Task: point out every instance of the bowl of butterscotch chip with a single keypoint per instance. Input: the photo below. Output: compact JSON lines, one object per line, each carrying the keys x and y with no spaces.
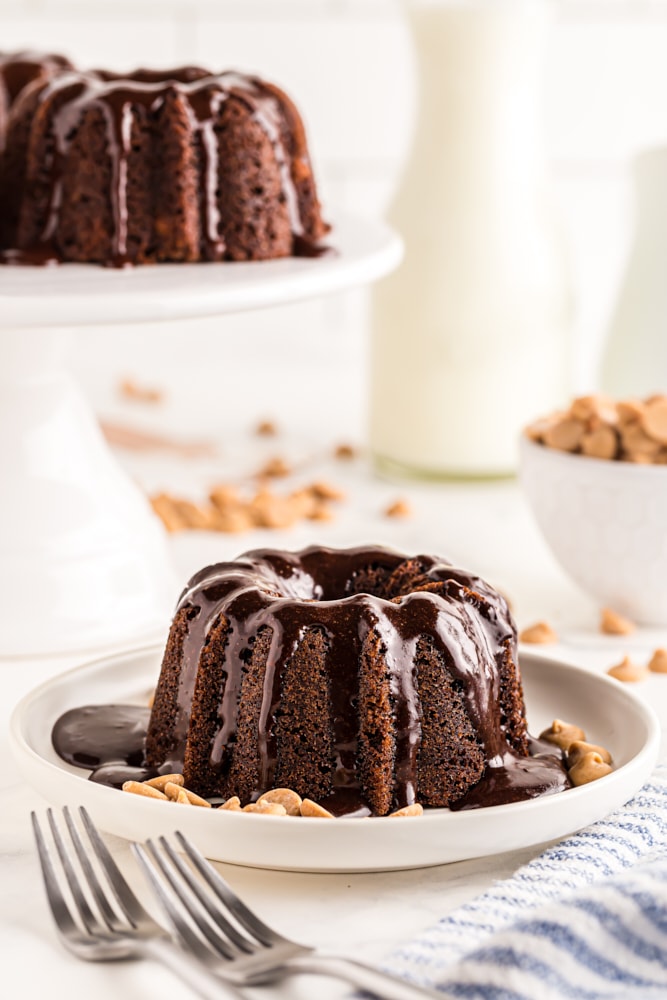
{"x":595,"y":476}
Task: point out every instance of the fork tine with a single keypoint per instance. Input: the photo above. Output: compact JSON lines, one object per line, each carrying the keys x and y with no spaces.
{"x":245,"y":917}
{"x":214,"y":939}
{"x":214,"y":912}
{"x":61,"y":911}
{"x":127,"y":901}
{"x":88,"y":918}
{"x":110,"y":918}
{"x":188,"y":938}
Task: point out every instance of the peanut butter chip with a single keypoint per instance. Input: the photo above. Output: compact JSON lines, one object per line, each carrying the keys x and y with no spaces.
{"x":600,"y":443}
{"x":654,"y":419}
{"x":130,"y":389}
{"x":266,"y":428}
{"x":266,"y":808}
{"x":413,"y":810}
{"x":285,"y":797}
{"x":628,"y":671}
{"x":165,"y":779}
{"x":566,"y":435}
{"x":562,"y":734}
{"x":196,"y":800}
{"x":322,"y":490}
{"x":637,"y":444}
{"x":399,"y":508}
{"x":580,"y":748}
{"x":345,"y":452}
{"x":275,"y":468}
{"x":140,"y":788}
{"x":233,"y":804}
{"x":612,"y":623}
{"x":629,"y":430}
{"x":589,"y":768}
{"x":540,"y":634}
{"x":310,"y":808}
{"x":658,"y":662}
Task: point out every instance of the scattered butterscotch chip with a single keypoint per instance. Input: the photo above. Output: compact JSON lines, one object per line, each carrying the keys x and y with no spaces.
{"x":654,"y":418}
{"x":165,"y":779}
{"x":345,"y":452}
{"x":628,"y":671}
{"x":658,"y":662}
{"x":232,"y":805}
{"x":196,"y":800}
{"x":588,"y":768}
{"x":233,"y":520}
{"x":195,"y":516}
{"x":224,"y":495}
{"x":562,"y":734}
{"x":271,"y":511}
{"x":540,"y":634}
{"x":611,"y":623}
{"x":274,"y":468}
{"x":285,"y":797}
{"x":399,"y":508}
{"x":320,"y":512}
{"x":167,"y":511}
{"x":413,"y":810}
{"x":130,"y":389}
{"x":266,"y":428}
{"x":266,"y":808}
{"x":322,"y":490}
{"x":580,"y":748}
{"x":177,"y":793}
{"x":141,"y":788}
{"x":566,"y":435}
{"x":310,"y":808}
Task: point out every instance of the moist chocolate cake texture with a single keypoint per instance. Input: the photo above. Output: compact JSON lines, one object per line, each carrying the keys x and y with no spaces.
{"x":174,"y":165}
{"x":360,"y":678}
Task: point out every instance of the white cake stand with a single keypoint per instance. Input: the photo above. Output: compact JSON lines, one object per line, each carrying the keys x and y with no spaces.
{"x":83,"y":560}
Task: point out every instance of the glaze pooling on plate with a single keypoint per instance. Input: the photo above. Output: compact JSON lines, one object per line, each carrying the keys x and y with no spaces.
{"x":379,"y":631}
{"x":610,"y":713}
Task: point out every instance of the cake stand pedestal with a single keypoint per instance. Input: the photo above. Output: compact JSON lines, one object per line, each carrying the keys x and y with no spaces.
{"x":83,"y":559}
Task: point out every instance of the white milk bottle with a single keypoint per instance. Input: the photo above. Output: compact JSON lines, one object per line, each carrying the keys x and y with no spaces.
{"x":470,"y":336}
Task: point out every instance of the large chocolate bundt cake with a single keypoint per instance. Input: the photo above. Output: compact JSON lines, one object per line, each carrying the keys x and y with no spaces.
{"x":360,"y":678}
{"x":180,"y":165}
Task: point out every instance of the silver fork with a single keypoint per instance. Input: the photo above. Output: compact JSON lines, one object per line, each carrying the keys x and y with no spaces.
{"x":113,"y":933}
{"x":249,"y":952}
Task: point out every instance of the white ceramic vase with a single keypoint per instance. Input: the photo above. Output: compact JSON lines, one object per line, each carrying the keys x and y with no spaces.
{"x":635,"y":358}
{"x":470,"y":336}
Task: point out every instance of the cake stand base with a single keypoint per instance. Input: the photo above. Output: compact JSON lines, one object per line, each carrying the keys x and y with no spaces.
{"x":84,"y":559}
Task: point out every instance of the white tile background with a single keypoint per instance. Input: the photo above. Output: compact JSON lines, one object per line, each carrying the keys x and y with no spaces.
{"x":348,"y":64}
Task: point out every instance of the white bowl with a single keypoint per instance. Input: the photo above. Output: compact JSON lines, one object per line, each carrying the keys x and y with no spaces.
{"x":606,"y":523}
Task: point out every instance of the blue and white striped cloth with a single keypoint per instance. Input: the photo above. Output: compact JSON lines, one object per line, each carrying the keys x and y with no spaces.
{"x":586,"y":920}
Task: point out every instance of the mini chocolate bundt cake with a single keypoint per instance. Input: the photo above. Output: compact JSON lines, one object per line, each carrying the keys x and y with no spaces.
{"x":180,"y":165}
{"x":360,"y":678}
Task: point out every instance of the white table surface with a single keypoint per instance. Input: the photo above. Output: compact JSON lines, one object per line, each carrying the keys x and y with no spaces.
{"x":487,"y":527}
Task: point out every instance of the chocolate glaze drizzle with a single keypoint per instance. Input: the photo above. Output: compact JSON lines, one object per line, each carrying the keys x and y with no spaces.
{"x":71,"y":94}
{"x":289,"y":593}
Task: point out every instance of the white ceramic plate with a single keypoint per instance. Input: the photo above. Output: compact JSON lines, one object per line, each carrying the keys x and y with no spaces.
{"x":83,"y":294}
{"x":609,"y":713}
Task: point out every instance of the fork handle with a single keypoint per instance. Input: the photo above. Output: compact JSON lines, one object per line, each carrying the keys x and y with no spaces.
{"x":364,"y":977}
{"x":196,"y":975}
